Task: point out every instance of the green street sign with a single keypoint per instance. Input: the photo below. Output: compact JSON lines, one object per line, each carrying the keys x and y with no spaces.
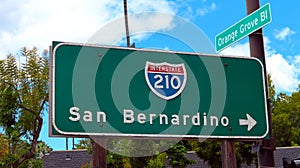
{"x":115,"y":91}
{"x":244,"y":27}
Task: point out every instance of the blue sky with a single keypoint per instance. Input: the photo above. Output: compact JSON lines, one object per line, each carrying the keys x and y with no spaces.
{"x":39,"y":22}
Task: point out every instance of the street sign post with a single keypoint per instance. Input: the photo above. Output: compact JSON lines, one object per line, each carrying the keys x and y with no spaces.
{"x":114,"y":91}
{"x":244,"y":27}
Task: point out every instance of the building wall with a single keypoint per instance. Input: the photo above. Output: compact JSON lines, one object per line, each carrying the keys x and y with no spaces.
{"x":66,"y":159}
{"x":289,"y":153}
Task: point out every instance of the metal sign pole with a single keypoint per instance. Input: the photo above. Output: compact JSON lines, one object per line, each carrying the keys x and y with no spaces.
{"x":265,"y":155}
{"x":99,"y":152}
{"x":228,"y":153}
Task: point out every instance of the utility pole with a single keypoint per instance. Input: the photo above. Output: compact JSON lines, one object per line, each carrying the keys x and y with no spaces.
{"x":126,"y":23}
{"x":265,"y":155}
{"x":127,"y":26}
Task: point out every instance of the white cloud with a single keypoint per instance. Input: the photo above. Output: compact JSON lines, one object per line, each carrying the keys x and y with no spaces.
{"x":284,"y":70}
{"x":284,"y":74}
{"x":237,"y":50}
{"x":139,"y":6}
{"x":296,"y":60}
{"x":38,"y":23}
{"x":141,"y":26}
{"x":282,"y":34}
{"x":243,"y":49}
{"x":203,"y":11}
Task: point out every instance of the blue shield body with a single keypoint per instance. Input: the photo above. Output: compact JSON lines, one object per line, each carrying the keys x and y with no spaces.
{"x":165,"y":80}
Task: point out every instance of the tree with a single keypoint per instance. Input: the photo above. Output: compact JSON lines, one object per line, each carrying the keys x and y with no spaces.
{"x":113,"y":160}
{"x":209,"y":151}
{"x":157,"y":161}
{"x":244,"y":154}
{"x":271,"y":89}
{"x":23,"y":99}
{"x":36,"y":161}
{"x":41,"y":149}
{"x":122,"y":150}
{"x":3,"y":147}
{"x":177,"y":156}
{"x":285,"y":118}
{"x":84,"y":143}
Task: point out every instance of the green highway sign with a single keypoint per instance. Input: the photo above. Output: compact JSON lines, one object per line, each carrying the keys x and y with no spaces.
{"x":115,"y":91}
{"x":244,"y":27}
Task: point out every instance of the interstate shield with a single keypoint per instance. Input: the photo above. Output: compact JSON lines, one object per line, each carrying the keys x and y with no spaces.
{"x":165,"y":80}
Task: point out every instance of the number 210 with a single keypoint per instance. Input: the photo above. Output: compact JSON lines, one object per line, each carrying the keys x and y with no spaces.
{"x":159,"y":83}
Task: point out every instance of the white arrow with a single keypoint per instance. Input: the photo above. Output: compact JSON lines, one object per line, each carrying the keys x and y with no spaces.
{"x":249,"y":121}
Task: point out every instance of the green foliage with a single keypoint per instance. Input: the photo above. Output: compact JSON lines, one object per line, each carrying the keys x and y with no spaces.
{"x":87,"y":165}
{"x":286,"y":119}
{"x":209,"y":151}
{"x":271,"y":89}
{"x":115,"y":160}
{"x":84,"y":144}
{"x":8,"y":99}
{"x":244,"y":155}
{"x":285,"y":116}
{"x":157,"y":161}
{"x":121,"y":149}
{"x":41,"y":149}
{"x":3,"y":147}
{"x":36,"y":163}
{"x":177,"y":156}
{"x":23,"y":97}
{"x":22,"y":147}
